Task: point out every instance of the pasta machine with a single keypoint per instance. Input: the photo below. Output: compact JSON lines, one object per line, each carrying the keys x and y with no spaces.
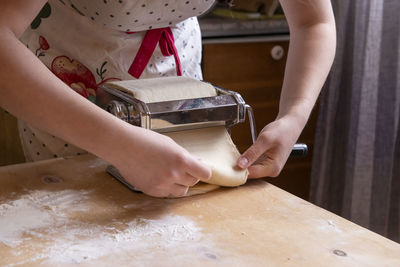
{"x":226,"y":108}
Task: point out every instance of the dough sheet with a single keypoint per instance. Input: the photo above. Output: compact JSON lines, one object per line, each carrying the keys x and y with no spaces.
{"x":214,"y":147}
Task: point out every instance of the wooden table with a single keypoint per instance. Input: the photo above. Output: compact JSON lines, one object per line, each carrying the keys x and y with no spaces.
{"x":65,"y":211}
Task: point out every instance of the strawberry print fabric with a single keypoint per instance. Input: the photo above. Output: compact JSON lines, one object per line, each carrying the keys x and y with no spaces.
{"x":85,"y":43}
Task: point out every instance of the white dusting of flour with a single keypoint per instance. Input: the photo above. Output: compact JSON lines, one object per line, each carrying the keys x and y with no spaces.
{"x":36,"y":210}
{"x":18,"y":217}
{"x":328,"y":226}
{"x":44,"y":216}
{"x":140,"y":234}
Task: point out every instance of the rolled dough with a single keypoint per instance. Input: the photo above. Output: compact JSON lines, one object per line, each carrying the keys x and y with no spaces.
{"x":164,"y":89}
{"x":212,"y":145}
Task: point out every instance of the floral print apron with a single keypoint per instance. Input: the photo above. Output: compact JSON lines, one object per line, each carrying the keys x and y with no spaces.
{"x":86,"y":43}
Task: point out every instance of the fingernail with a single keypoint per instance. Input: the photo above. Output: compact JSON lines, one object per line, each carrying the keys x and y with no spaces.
{"x":243,"y":162}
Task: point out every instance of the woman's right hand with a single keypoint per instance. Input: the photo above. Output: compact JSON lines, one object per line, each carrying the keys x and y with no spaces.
{"x":156,"y":165}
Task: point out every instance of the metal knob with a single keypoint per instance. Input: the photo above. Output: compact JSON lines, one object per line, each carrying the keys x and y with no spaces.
{"x":299,"y":150}
{"x":277,"y":52}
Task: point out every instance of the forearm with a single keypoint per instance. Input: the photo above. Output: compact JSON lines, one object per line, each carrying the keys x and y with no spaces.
{"x":32,"y":93}
{"x":310,"y":57}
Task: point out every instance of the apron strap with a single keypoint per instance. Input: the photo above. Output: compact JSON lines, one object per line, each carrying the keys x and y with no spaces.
{"x":165,"y":38}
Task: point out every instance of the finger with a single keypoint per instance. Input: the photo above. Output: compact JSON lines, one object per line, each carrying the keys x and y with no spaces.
{"x":178,"y":190}
{"x":253,"y":153}
{"x":188,"y":180}
{"x":198,"y":169}
{"x":266,"y":168}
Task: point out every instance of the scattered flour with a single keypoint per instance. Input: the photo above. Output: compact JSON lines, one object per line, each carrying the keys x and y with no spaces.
{"x":35,"y":210}
{"x":140,"y":234}
{"x":328,"y":225}
{"x":44,"y":215}
{"x":18,"y":217}
{"x":97,"y":163}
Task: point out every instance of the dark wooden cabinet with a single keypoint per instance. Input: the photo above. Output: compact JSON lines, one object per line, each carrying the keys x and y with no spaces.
{"x":10,"y":146}
{"x":255,"y":68}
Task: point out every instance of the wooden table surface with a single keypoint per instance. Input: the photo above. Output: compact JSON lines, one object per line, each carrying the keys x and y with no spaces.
{"x":69,"y":211}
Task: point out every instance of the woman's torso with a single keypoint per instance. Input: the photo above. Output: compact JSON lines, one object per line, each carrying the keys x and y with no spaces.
{"x":85,"y":43}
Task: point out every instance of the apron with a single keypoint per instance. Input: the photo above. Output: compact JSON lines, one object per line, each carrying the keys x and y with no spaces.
{"x":86,"y":43}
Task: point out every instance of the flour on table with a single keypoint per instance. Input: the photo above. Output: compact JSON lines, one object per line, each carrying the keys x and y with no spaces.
{"x":18,"y":217}
{"x":328,"y":226}
{"x":34,"y":211}
{"x":43,"y":215}
{"x":140,"y":234}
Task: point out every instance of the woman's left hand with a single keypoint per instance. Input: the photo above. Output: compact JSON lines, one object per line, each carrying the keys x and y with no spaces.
{"x":268,"y":155}
{"x":310,"y":56}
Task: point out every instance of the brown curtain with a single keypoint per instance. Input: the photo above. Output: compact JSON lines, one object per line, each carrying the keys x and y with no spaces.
{"x":356,"y":165}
